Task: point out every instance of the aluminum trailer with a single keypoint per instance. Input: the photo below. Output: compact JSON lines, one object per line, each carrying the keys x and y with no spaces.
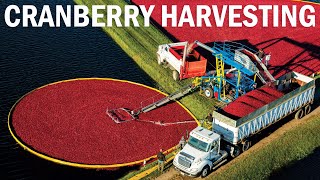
{"x":238,"y":131}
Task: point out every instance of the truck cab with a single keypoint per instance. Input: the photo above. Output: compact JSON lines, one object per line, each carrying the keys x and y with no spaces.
{"x":201,"y":154}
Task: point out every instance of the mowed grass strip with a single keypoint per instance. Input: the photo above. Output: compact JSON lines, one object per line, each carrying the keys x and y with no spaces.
{"x":141,"y":44}
{"x":289,"y":147}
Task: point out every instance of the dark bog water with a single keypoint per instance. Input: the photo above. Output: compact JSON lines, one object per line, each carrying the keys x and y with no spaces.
{"x":32,"y":57}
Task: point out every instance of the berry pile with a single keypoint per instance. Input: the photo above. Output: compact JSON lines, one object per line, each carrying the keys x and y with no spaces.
{"x":68,"y":121}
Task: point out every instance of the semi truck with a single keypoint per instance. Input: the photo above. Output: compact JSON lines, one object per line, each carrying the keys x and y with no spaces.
{"x":231,"y":134}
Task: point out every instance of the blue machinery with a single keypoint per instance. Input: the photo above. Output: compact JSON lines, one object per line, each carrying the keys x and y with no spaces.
{"x":228,"y":84}
{"x":225,"y":85}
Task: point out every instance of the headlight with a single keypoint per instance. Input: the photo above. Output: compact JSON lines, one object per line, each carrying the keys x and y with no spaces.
{"x":198,"y":161}
{"x":194,"y":170}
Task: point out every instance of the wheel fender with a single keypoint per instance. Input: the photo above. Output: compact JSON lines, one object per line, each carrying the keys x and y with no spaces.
{"x":159,"y":58}
{"x":160,"y":53}
{"x":307,"y":109}
{"x":205,"y":163}
{"x":299,"y":114}
{"x":171,"y":67}
{"x":162,"y":57}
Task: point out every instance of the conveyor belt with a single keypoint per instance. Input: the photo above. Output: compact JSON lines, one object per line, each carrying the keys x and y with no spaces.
{"x":174,"y":96}
{"x":265,"y":71}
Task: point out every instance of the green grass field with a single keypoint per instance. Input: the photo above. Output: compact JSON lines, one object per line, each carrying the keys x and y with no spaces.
{"x":141,"y":43}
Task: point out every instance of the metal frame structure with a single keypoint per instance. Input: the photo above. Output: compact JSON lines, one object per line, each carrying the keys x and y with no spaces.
{"x":229,"y":53}
{"x":235,"y":55}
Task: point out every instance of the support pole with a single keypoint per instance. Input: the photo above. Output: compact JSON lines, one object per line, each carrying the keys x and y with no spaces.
{"x":238,"y":84}
{"x":239,"y":77}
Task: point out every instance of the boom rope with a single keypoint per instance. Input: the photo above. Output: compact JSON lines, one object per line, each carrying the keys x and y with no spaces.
{"x":118,"y":117}
{"x":160,"y":123}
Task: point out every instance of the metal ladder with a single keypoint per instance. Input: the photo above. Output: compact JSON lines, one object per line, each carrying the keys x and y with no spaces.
{"x":219,"y":66}
{"x":220,"y":73}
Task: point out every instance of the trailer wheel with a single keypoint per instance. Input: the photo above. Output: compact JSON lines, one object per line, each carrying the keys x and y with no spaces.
{"x":208,"y":92}
{"x":235,"y":151}
{"x":205,"y":172}
{"x":299,"y":114}
{"x":246,"y":145}
{"x":307,"y":109}
{"x":175,"y":75}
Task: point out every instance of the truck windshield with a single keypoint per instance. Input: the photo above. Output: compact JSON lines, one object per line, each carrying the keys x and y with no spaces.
{"x":198,"y":144}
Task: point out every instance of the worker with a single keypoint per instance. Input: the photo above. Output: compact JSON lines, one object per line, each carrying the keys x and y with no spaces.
{"x":182,"y":142}
{"x":161,"y":161}
{"x":261,"y":54}
{"x":209,"y":117}
{"x":254,"y":86}
{"x":232,"y":92}
{"x":267,"y":59}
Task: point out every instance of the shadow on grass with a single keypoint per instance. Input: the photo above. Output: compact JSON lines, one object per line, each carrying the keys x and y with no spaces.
{"x":307,"y":168}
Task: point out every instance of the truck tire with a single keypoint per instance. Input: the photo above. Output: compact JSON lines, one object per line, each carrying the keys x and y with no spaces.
{"x":299,"y":114}
{"x":175,"y":75}
{"x":246,"y":145}
{"x":205,"y":171}
{"x":235,"y":151}
{"x":208,"y":92}
{"x":307,"y":109}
